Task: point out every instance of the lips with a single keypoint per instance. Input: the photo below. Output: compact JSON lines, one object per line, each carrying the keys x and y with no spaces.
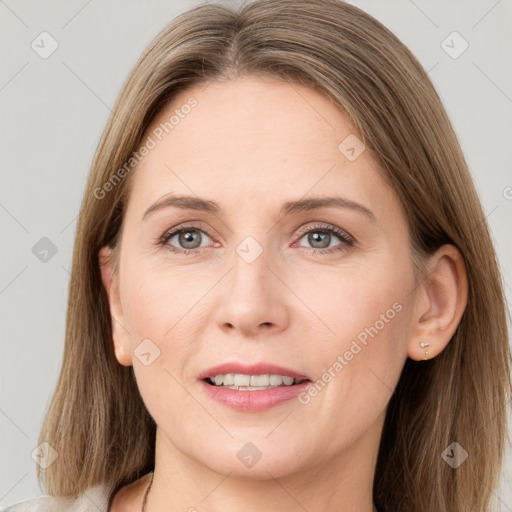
{"x":261,"y":368}
{"x":249,"y":399}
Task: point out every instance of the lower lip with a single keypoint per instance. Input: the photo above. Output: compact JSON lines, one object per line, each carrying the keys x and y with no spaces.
{"x":254,"y":401}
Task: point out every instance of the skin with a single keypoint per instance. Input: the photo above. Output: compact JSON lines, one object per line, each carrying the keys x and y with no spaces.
{"x":252,"y":144}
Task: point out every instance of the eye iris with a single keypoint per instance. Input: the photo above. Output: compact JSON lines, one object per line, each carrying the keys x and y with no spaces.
{"x":189,"y":237}
{"x":317,"y":236}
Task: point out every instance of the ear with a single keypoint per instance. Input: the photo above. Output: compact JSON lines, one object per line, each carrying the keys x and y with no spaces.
{"x":119,"y":333}
{"x":440,"y":302}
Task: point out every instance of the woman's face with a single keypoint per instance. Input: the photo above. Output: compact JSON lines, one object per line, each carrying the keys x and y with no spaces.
{"x":265,"y":282}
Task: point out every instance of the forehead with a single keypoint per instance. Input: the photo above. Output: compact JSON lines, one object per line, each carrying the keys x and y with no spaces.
{"x":253,"y":139}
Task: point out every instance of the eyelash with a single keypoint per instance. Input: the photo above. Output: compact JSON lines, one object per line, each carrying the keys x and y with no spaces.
{"x":346,"y":239}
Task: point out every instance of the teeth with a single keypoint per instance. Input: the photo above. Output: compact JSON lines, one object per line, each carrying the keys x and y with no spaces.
{"x":242,"y":380}
{"x":238,"y":380}
{"x":229,"y":379}
{"x":259,"y":380}
{"x":275,"y":380}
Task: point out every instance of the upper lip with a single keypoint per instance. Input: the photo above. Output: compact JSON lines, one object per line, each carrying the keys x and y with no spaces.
{"x":261,"y":368}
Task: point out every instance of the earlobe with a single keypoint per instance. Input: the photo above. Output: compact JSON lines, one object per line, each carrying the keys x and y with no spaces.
{"x":119,"y":333}
{"x":441,"y":301}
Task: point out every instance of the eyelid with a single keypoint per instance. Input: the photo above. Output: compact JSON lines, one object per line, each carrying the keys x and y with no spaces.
{"x":326,"y":227}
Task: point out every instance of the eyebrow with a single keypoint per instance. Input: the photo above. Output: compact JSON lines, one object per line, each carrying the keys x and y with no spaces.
{"x":196,"y":203}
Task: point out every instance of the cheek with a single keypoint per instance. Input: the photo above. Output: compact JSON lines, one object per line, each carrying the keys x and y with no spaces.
{"x":167,"y":313}
{"x":361,"y":328}
{"x":165,"y":316}
{"x":364,"y":300}
{"x":157,"y":303}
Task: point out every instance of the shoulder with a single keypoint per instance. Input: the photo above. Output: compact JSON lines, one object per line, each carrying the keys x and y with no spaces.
{"x":94,"y":499}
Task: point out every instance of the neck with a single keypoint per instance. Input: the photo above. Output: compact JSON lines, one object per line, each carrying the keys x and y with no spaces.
{"x":343,"y":482}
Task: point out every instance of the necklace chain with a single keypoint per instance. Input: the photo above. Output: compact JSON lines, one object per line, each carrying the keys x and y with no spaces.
{"x":143,"y":509}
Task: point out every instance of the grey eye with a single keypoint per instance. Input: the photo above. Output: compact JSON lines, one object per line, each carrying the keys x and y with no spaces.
{"x":319,"y":240}
{"x":188,"y":238}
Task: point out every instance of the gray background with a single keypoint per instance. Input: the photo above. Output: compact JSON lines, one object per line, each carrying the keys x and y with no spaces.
{"x":53,"y":112}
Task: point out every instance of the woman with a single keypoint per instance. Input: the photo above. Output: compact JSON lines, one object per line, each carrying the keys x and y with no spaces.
{"x":284,"y":294}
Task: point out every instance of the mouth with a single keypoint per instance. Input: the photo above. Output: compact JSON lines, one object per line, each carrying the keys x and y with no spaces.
{"x":252,"y":387}
{"x":247,"y":382}
{"x":251,"y":377}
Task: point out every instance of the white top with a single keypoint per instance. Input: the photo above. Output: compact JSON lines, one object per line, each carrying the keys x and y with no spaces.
{"x":94,"y":499}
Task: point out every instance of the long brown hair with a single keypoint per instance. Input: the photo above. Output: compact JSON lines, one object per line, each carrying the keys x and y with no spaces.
{"x":97,"y":421}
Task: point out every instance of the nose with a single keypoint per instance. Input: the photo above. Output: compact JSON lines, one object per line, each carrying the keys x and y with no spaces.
{"x":252,"y":302}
